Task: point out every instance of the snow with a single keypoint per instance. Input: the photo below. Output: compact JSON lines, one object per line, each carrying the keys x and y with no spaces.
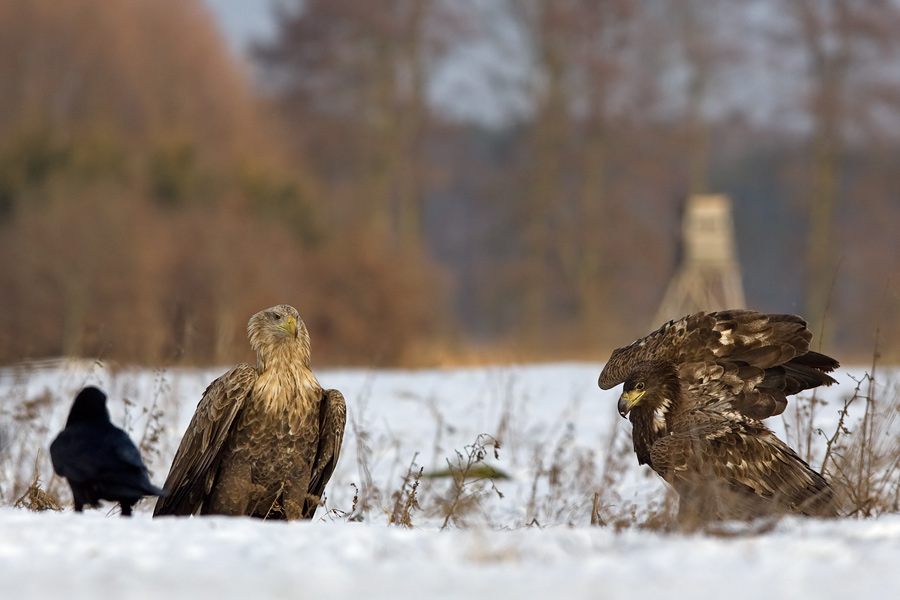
{"x":92,"y":556}
{"x":559,"y":435}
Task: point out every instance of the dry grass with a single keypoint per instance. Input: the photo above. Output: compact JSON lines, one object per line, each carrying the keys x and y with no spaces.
{"x":859,"y":453}
{"x":31,"y":416}
{"x":23,"y":418}
{"x":570,"y":483}
{"x":471,"y":479}
{"x":864,"y":462}
{"x":150,"y":420}
{"x":405,"y":498}
{"x":556,"y":479}
{"x":36,"y":499}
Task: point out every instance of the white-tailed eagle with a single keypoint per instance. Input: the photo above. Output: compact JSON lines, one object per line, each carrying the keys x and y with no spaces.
{"x":264,"y":440}
{"x":696,"y":391}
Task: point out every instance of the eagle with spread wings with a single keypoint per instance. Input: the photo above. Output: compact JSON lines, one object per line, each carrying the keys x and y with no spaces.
{"x":696,"y":391}
{"x":264,"y":440}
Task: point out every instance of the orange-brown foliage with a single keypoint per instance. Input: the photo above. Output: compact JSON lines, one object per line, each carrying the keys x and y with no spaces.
{"x":145,"y":212}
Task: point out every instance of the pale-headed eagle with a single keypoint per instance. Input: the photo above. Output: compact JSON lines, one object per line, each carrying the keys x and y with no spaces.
{"x":696,"y":391}
{"x":264,"y":440}
{"x":98,"y":459}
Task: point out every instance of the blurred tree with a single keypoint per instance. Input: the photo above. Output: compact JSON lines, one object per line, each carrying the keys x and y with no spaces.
{"x":147,"y":207}
{"x":548,"y":25}
{"x":148,"y":204}
{"x":840,"y":41}
{"x":698,"y":24}
{"x":350,"y":78}
{"x":583,"y":94}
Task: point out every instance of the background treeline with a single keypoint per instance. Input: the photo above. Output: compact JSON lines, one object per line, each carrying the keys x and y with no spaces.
{"x":155,"y":191}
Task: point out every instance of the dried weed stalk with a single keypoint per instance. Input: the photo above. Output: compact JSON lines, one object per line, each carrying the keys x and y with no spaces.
{"x":405,"y":498}
{"x":35,"y":498}
{"x":472,"y":478}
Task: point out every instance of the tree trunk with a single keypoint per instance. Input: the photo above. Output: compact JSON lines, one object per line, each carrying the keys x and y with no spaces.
{"x":828,"y":71}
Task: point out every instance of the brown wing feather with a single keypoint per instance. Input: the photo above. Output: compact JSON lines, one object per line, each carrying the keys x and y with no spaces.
{"x":669,"y":342}
{"x":332,"y":419}
{"x":741,"y":336}
{"x":752,"y":391}
{"x":757,"y":359}
{"x":743,"y":463}
{"x":196,"y":461}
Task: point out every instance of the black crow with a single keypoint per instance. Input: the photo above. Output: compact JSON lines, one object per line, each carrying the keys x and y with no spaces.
{"x":97,"y":458}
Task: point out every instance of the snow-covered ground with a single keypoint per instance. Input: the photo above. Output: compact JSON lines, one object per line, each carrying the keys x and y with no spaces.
{"x":561,"y":442}
{"x":92,"y":556}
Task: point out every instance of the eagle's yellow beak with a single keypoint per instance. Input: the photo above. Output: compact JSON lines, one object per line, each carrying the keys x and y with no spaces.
{"x":629,"y":400}
{"x":289,"y":325}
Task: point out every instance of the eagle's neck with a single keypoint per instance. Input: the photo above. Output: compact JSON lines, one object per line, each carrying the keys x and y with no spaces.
{"x":285,"y":378}
{"x":653,"y":417}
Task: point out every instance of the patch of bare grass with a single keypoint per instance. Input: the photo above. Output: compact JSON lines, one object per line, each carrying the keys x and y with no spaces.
{"x":471,"y":479}
{"x":35,"y":498}
{"x":860,"y":451}
{"x":863,"y":460}
{"x":405,"y":498}
{"x":548,"y":474}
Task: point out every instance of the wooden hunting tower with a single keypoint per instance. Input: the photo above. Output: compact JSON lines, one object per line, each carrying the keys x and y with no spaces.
{"x":709,"y":276}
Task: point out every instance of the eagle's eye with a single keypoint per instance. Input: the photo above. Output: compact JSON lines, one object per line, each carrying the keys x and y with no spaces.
{"x":639,"y":386}
{"x":276,"y":316}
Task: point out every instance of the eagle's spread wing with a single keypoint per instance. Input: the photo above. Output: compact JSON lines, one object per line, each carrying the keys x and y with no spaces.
{"x":755,"y":360}
{"x":689,"y":335}
{"x":332,"y":418}
{"x":740,"y":462}
{"x":696,"y":390}
{"x":194,"y":467}
{"x":749,"y":390}
{"x":734,"y":335}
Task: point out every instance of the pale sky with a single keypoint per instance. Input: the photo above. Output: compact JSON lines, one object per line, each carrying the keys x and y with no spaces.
{"x":469,"y":85}
{"x":483,"y":81}
{"x":242,"y":21}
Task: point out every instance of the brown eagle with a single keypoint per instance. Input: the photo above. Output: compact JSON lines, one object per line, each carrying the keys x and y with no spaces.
{"x":264,"y":440}
{"x":696,"y":391}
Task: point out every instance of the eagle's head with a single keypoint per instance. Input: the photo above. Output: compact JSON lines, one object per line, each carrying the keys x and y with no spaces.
{"x":650,"y":384}
{"x":89,"y":407}
{"x":278,"y":330}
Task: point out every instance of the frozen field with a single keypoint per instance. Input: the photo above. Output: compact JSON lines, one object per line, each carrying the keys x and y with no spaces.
{"x":561,"y":442}
{"x":67,"y":556}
